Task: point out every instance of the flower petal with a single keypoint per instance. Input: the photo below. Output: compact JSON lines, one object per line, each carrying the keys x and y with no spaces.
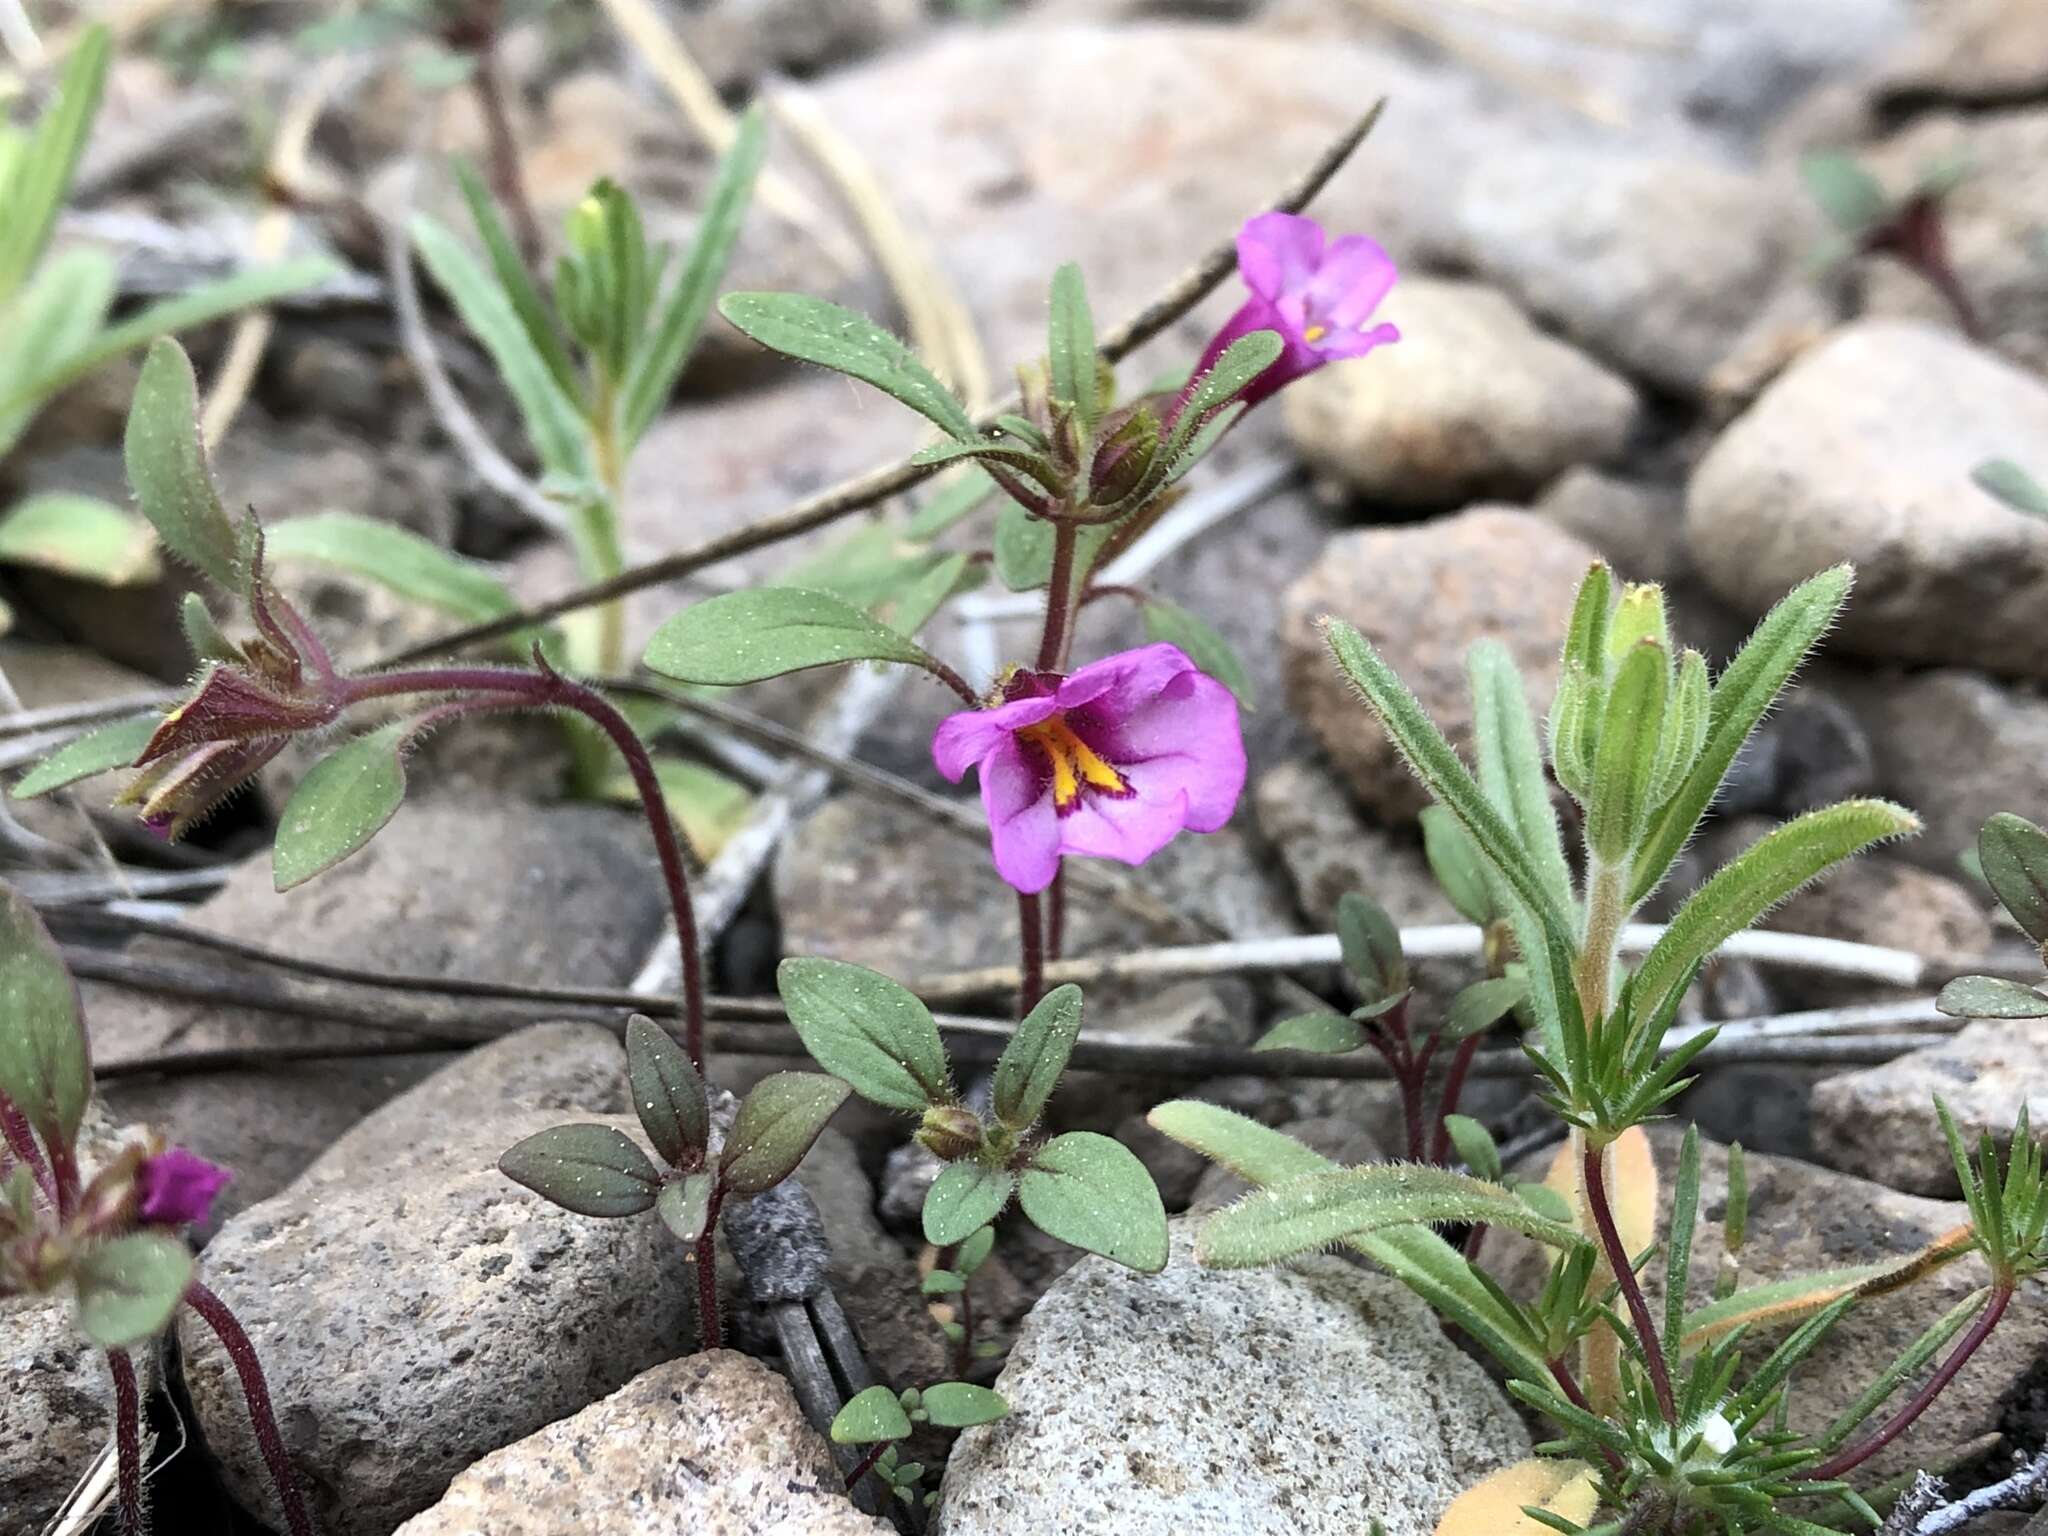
{"x":969,"y":736}
{"x":1189,"y":741}
{"x":1278,"y":253}
{"x":1340,"y":344}
{"x":1130,"y":829}
{"x":1024,"y":829}
{"x":176,"y":1187}
{"x":1108,"y":690}
{"x":1355,"y":275}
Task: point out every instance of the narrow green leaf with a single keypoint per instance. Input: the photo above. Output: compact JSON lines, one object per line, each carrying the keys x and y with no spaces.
{"x":1326,"y":1034}
{"x":1625,"y":767}
{"x":1476,"y":1147}
{"x":1032,"y":1062}
{"x":1242,"y":361}
{"x":394,"y":558}
{"x":592,"y":1170}
{"x":860,"y":1025}
{"x":36,"y":191}
{"x":2013,"y":486}
{"x":510,"y":269}
{"x":56,"y":315}
{"x":870,"y":1418}
{"x":344,"y":800}
{"x":168,"y":472}
{"x":552,"y":418}
{"x":1742,"y":695}
{"x":202,"y":634}
{"x":1455,"y":861}
{"x":1585,"y":641}
{"x":745,"y":637}
{"x":960,"y":494}
{"x":1685,"y":1209}
{"x":109,"y":747}
{"x":1848,"y":194}
{"x":964,"y":1198}
{"x":1991,"y":997}
{"x":961,"y":1404}
{"x":45,"y":1062}
{"x":1483,"y":1005}
{"x":1309,"y":1214}
{"x":942,"y":1282}
{"x":818,"y":331}
{"x":1510,"y":764}
{"x":2013,"y":854}
{"x":668,"y":1095}
{"x":1371,"y":945}
{"x":660,"y":359}
{"x":128,"y":1287}
{"x":1070,"y":345}
{"x":1203,"y":646}
{"x":684,"y":1205}
{"x":1767,"y":872}
{"x":777,"y":1123}
{"x":1092,"y":1192}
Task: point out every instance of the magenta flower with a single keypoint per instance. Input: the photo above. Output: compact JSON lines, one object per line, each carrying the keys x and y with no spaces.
{"x":1317,"y":293}
{"x":176,"y":1187}
{"x":1111,"y":761}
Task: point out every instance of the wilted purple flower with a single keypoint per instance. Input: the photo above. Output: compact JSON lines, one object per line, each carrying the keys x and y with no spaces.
{"x":1317,"y":293}
{"x":1111,"y":761}
{"x":176,"y":1186}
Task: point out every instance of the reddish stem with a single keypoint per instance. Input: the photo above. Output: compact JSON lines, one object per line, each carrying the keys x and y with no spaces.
{"x":1618,"y":1260}
{"x":1562,"y":1375}
{"x":1854,"y":1456}
{"x":64,"y":1173}
{"x":256,"y":1393}
{"x":1031,"y":939}
{"x":1447,"y":1102}
{"x":1056,"y":914}
{"x":710,"y":1331}
{"x":1059,"y":599}
{"x":128,"y":1442}
{"x":21,"y":1141}
{"x":866,"y":1464}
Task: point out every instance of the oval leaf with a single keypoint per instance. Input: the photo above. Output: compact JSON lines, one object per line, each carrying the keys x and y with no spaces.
{"x":668,"y":1095}
{"x":777,"y":1123}
{"x":744,"y":637}
{"x":960,"y":1404}
{"x":684,"y":1205}
{"x":1309,"y":1214}
{"x":1088,"y":1190}
{"x":129,"y":1287}
{"x":1326,"y":1034}
{"x":860,"y":1025}
{"x":344,"y":800}
{"x":109,"y":747}
{"x":45,"y":1063}
{"x":871,"y":1417}
{"x":963,"y":1199}
{"x":167,"y":468}
{"x":1372,"y":946}
{"x":1037,"y":1054}
{"x":2013,"y":853}
{"x":1454,"y":860}
{"x":80,"y":536}
{"x":818,"y":331}
{"x":1991,"y":997}
{"x":592,"y":1170}
{"x":1483,"y":1004}
{"x":396,"y":559}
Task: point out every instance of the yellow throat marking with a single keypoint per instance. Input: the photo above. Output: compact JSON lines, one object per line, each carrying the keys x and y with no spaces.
{"x":1315,"y":333}
{"x":1075,"y":764}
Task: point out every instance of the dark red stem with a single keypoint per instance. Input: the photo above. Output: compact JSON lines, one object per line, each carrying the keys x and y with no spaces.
{"x":1031,"y":940}
{"x":1562,"y":1375}
{"x":21,"y":1141}
{"x":866,"y":1464}
{"x":1059,"y":599}
{"x":64,"y":1172}
{"x":710,"y":1331}
{"x":128,"y":1442}
{"x":256,"y":1393}
{"x":1447,"y":1101}
{"x":1056,"y":914}
{"x":1618,"y":1260}
{"x":1854,"y":1456}
{"x":507,"y":184}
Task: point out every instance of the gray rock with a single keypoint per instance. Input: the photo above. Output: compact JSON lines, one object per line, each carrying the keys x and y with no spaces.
{"x":435,"y":1293}
{"x":1880,"y":1121}
{"x":1659,"y":266}
{"x":740,"y":41}
{"x":544,"y":895}
{"x":1886,"y":901}
{"x":1862,"y":451}
{"x":714,"y":1444}
{"x":1422,"y":595}
{"x":1133,"y":1399}
{"x":1810,"y":751}
{"x":1982,"y":52}
{"x":1473,"y":403}
{"x":1639,"y":527}
{"x":1329,"y":850}
{"x":1957,"y":747}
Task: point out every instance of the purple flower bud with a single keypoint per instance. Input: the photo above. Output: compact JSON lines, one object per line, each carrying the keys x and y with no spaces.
{"x":177,"y":1187}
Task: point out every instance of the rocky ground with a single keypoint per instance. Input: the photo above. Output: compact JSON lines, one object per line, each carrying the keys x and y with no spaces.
{"x":1617,"y":341}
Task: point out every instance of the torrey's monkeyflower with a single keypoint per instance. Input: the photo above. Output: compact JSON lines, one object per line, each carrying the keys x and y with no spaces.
{"x":1110,"y":761}
{"x":1316,"y":292}
{"x":176,"y":1187}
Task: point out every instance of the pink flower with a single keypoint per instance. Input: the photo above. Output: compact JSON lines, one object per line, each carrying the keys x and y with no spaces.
{"x":1111,"y":761}
{"x":1317,"y":293}
{"x":176,"y":1187}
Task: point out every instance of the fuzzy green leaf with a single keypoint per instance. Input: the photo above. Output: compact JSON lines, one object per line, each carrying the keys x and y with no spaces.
{"x":668,"y":1095}
{"x":111,"y":746}
{"x":818,"y":331}
{"x":871,"y":1417}
{"x":1991,"y":997}
{"x":1088,"y":1190}
{"x":1625,"y":766}
{"x":36,"y":187}
{"x":168,"y":472}
{"x":1454,"y":860}
{"x":45,"y":1062}
{"x":746,"y":637}
{"x":1309,"y":1214}
{"x":777,"y":1123}
{"x":592,"y":1170}
{"x":1483,"y":1005}
{"x":2013,"y":853}
{"x":684,"y":1205}
{"x":394,"y":558}
{"x":1371,"y":945}
{"x":860,"y":1025}
{"x":1325,"y":1034}
{"x":129,"y":1286}
{"x":1510,"y":764}
{"x":2013,"y":486}
{"x":961,"y":1405}
{"x":1242,"y":361}
{"x":1476,"y":1147}
{"x":79,"y":536}
{"x":964,"y":1198}
{"x":344,"y":800}
{"x":510,"y":268}
{"x":1032,"y":1062}
{"x":1070,"y":345}
{"x":1202,"y":645}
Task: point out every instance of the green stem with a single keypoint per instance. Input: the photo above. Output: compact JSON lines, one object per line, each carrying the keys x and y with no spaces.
{"x":1606,"y":911}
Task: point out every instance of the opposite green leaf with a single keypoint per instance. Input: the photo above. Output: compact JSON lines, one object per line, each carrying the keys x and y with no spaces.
{"x":109,"y":747}
{"x":167,"y":468}
{"x":2013,"y":853}
{"x":1326,"y":1034}
{"x":668,"y":1095}
{"x":860,"y":1025}
{"x":344,"y":800}
{"x":45,"y":1063}
{"x":964,"y":1198}
{"x":79,"y":536}
{"x":745,"y":637}
{"x":777,"y":1122}
{"x":396,"y":559}
{"x":1070,"y":345}
{"x":1371,"y":943}
{"x":129,"y":1287}
{"x":1203,"y":646}
{"x":818,"y":331}
{"x":1484,"y":1004}
{"x":1475,"y":1145}
{"x":1991,"y":997}
{"x":870,"y":1418}
{"x":1455,"y":861}
{"x":1088,"y":1190}
{"x":592,"y":1170}
{"x":961,"y":1404}
{"x":684,"y":1205}
{"x":1032,"y":1062}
